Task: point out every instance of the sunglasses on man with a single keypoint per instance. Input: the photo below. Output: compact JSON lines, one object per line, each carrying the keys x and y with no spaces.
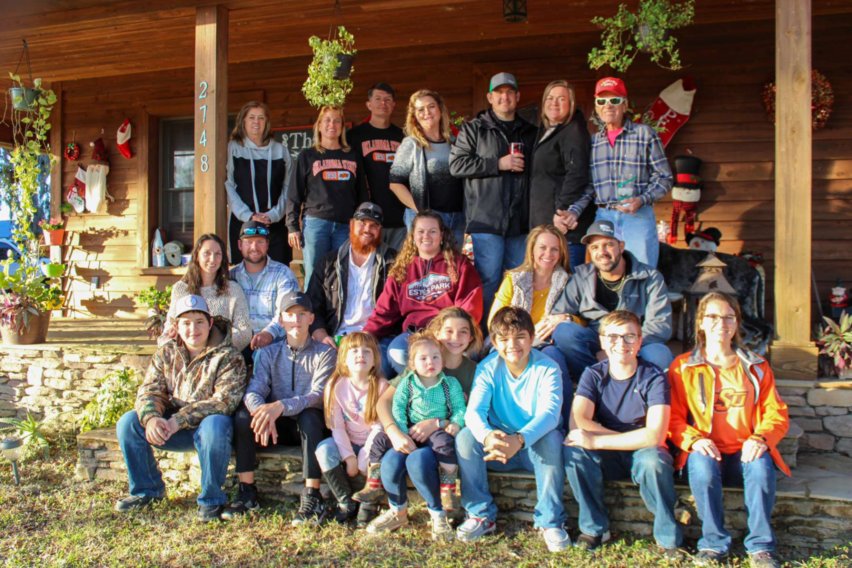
{"x":256,"y":231}
{"x":614,"y":101}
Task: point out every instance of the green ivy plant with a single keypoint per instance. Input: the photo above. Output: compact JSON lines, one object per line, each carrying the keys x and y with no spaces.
{"x":321,"y":88}
{"x":116,"y":395}
{"x":647,"y":30}
{"x":157,"y":302}
{"x":30,"y":433}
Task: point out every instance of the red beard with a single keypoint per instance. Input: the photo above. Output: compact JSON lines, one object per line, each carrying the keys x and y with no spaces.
{"x":359,"y":247}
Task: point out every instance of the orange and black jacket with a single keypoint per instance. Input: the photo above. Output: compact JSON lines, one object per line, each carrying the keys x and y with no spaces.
{"x":693,"y":391}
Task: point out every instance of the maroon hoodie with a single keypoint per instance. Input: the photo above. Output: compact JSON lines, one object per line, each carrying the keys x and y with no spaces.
{"x":426,"y":290}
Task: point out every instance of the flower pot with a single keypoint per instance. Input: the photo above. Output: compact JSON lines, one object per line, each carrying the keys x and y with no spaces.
{"x":344,"y":66}
{"x":644,"y":34}
{"x":54,"y":237}
{"x":23,"y":98}
{"x":36,"y":332}
{"x":52,"y":270}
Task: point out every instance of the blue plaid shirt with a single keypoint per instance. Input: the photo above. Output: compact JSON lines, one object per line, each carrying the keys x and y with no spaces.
{"x":264,"y":293}
{"x":635,"y":167}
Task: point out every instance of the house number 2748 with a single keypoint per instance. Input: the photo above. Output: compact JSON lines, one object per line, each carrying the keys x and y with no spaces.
{"x":202,"y":141}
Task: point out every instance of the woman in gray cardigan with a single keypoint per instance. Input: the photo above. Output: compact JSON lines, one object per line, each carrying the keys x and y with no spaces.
{"x":420,"y":174}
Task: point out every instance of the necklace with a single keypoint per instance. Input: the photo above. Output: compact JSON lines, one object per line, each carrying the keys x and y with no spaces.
{"x":616,"y":287}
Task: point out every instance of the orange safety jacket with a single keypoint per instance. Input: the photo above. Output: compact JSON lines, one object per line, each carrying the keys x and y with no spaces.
{"x":693,"y":391}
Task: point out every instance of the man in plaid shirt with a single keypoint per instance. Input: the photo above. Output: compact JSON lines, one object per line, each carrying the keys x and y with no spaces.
{"x":264,"y":281}
{"x":629,"y":172}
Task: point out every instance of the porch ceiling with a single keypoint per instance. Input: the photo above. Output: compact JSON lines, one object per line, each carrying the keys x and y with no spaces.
{"x":100,"y":38}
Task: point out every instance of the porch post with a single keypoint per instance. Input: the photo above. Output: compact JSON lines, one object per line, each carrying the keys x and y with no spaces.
{"x":793,"y":353}
{"x":211,"y":119}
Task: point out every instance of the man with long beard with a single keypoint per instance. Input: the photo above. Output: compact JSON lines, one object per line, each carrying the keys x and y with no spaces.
{"x":346,"y":283}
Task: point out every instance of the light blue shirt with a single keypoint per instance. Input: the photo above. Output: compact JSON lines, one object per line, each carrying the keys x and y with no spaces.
{"x":529,"y":405}
{"x":264,"y":292}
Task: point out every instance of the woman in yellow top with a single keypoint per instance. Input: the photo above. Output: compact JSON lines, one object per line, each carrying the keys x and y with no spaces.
{"x":534,"y":286}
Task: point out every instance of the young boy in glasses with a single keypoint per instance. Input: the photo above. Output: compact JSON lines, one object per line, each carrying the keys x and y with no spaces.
{"x":618,"y":427}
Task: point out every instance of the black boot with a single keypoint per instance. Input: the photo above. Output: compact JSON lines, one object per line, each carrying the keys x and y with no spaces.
{"x":338,"y":482}
{"x":366,"y":513}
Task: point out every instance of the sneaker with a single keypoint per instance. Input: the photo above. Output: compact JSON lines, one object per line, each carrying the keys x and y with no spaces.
{"x":245,"y":502}
{"x":346,"y":512}
{"x":388,"y":521}
{"x":311,"y":509}
{"x":764,"y":559}
{"x":366,"y":513}
{"x":673,"y":553}
{"x":208,"y":514}
{"x":556,"y":539}
{"x":441,"y":529}
{"x":475,"y":528}
{"x":589,"y":543}
{"x":135,"y":502}
{"x":707,"y":557}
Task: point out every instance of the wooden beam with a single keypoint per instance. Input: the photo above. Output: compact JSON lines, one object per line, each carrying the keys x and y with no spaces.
{"x":793,"y":353}
{"x":142,"y":133}
{"x":57,"y":151}
{"x":211,"y":119}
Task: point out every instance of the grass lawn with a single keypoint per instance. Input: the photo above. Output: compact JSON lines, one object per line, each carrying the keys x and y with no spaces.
{"x":52,"y":520}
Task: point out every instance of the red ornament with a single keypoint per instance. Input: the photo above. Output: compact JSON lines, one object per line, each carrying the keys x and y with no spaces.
{"x":822,"y":99}
{"x":72,"y":151}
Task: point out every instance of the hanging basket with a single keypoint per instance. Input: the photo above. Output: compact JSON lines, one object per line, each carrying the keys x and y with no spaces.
{"x":54,"y":237}
{"x":23,"y":98}
{"x":344,"y":66}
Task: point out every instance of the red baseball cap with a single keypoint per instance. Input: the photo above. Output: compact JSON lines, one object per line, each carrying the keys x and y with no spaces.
{"x":612,"y":85}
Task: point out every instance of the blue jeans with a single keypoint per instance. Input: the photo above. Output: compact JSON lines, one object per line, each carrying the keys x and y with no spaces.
{"x":422,"y":468}
{"x":649,"y":468}
{"x":757,"y":478}
{"x":492,"y":255}
{"x":328,"y":456}
{"x":576,"y":255}
{"x":212,"y":441}
{"x":320,"y":237}
{"x":544,"y":459}
{"x":638,"y":231}
{"x":567,"y":386}
{"x":454,"y":222}
{"x":580,"y":346}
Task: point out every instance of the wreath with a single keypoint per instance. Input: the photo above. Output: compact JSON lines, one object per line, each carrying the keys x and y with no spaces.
{"x":72,"y":151}
{"x":822,"y":99}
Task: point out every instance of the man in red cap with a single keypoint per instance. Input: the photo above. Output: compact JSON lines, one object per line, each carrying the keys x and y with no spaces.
{"x":629,"y":172}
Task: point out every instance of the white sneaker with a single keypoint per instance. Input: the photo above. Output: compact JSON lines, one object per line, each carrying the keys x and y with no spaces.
{"x":388,"y":521}
{"x":441,"y":529}
{"x":556,"y":539}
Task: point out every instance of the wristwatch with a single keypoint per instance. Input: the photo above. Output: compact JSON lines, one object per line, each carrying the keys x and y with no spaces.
{"x":443,"y":423}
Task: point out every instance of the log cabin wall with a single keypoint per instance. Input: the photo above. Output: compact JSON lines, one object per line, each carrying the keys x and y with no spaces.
{"x":728,"y":130}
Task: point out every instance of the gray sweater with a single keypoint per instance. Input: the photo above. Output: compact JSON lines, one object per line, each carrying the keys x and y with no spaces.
{"x":296,"y":378}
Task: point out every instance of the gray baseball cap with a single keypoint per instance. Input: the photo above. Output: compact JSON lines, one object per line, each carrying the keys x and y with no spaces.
{"x":294,"y":299}
{"x":502,"y":78}
{"x":600,"y":229}
{"x":191,"y":303}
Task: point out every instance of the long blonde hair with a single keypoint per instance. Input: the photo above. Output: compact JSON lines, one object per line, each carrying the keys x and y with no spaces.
{"x":409,"y":250}
{"x":529,"y":260}
{"x":350,"y":341}
{"x":318,"y":137}
{"x":572,"y":104}
{"x":412,"y":126}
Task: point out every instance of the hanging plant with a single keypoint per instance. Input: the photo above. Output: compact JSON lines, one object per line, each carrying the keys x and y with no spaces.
{"x":329,"y":79}
{"x":822,"y":99}
{"x":648,"y":30}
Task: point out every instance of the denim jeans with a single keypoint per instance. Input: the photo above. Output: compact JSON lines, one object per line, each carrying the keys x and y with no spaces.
{"x":649,"y":468}
{"x":576,"y":255}
{"x":212,"y":441}
{"x":492,"y":255}
{"x":396,"y":354}
{"x":455,"y":222}
{"x":544,"y":459}
{"x":422,"y":468}
{"x":580,"y":346}
{"x":757,"y":478}
{"x":328,"y":456}
{"x":638,"y":231}
{"x":320,"y":237}
{"x":567,"y":386}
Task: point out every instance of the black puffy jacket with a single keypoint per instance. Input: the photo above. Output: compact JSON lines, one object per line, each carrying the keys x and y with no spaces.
{"x":495,"y":201}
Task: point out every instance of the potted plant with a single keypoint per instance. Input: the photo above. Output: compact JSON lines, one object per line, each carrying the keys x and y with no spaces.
{"x":23,"y":98}
{"x":52,"y":269}
{"x":329,"y":79}
{"x":835,"y":340}
{"x":647,"y":30}
{"x":52,"y":230}
{"x":157,"y":302}
{"x":26,"y":301}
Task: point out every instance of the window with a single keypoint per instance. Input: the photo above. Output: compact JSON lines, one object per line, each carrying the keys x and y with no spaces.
{"x":177,"y":170}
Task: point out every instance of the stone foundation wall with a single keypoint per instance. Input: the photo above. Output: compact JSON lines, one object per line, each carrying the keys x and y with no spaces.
{"x":823,"y":409}
{"x":55,"y":383}
{"x":806,"y":520}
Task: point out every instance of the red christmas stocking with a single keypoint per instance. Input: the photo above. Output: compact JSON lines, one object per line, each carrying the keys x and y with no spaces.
{"x":77,"y":191}
{"x":671,"y":110}
{"x":689,"y":211}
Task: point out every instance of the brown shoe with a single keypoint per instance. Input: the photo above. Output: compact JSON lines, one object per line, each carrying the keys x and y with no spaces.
{"x":373,"y":490}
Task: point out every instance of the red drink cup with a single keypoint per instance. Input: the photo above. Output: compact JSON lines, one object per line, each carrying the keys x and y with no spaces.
{"x":516,"y":148}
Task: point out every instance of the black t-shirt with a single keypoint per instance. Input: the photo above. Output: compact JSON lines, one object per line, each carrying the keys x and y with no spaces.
{"x":446,"y":193}
{"x":377,"y":147}
{"x":606,"y":297}
{"x":326,"y":185}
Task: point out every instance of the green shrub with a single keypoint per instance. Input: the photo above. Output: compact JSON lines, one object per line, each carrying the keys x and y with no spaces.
{"x":115,"y":396}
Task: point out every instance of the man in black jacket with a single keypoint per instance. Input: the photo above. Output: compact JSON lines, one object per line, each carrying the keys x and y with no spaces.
{"x":492,"y":154}
{"x":347,"y":282}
